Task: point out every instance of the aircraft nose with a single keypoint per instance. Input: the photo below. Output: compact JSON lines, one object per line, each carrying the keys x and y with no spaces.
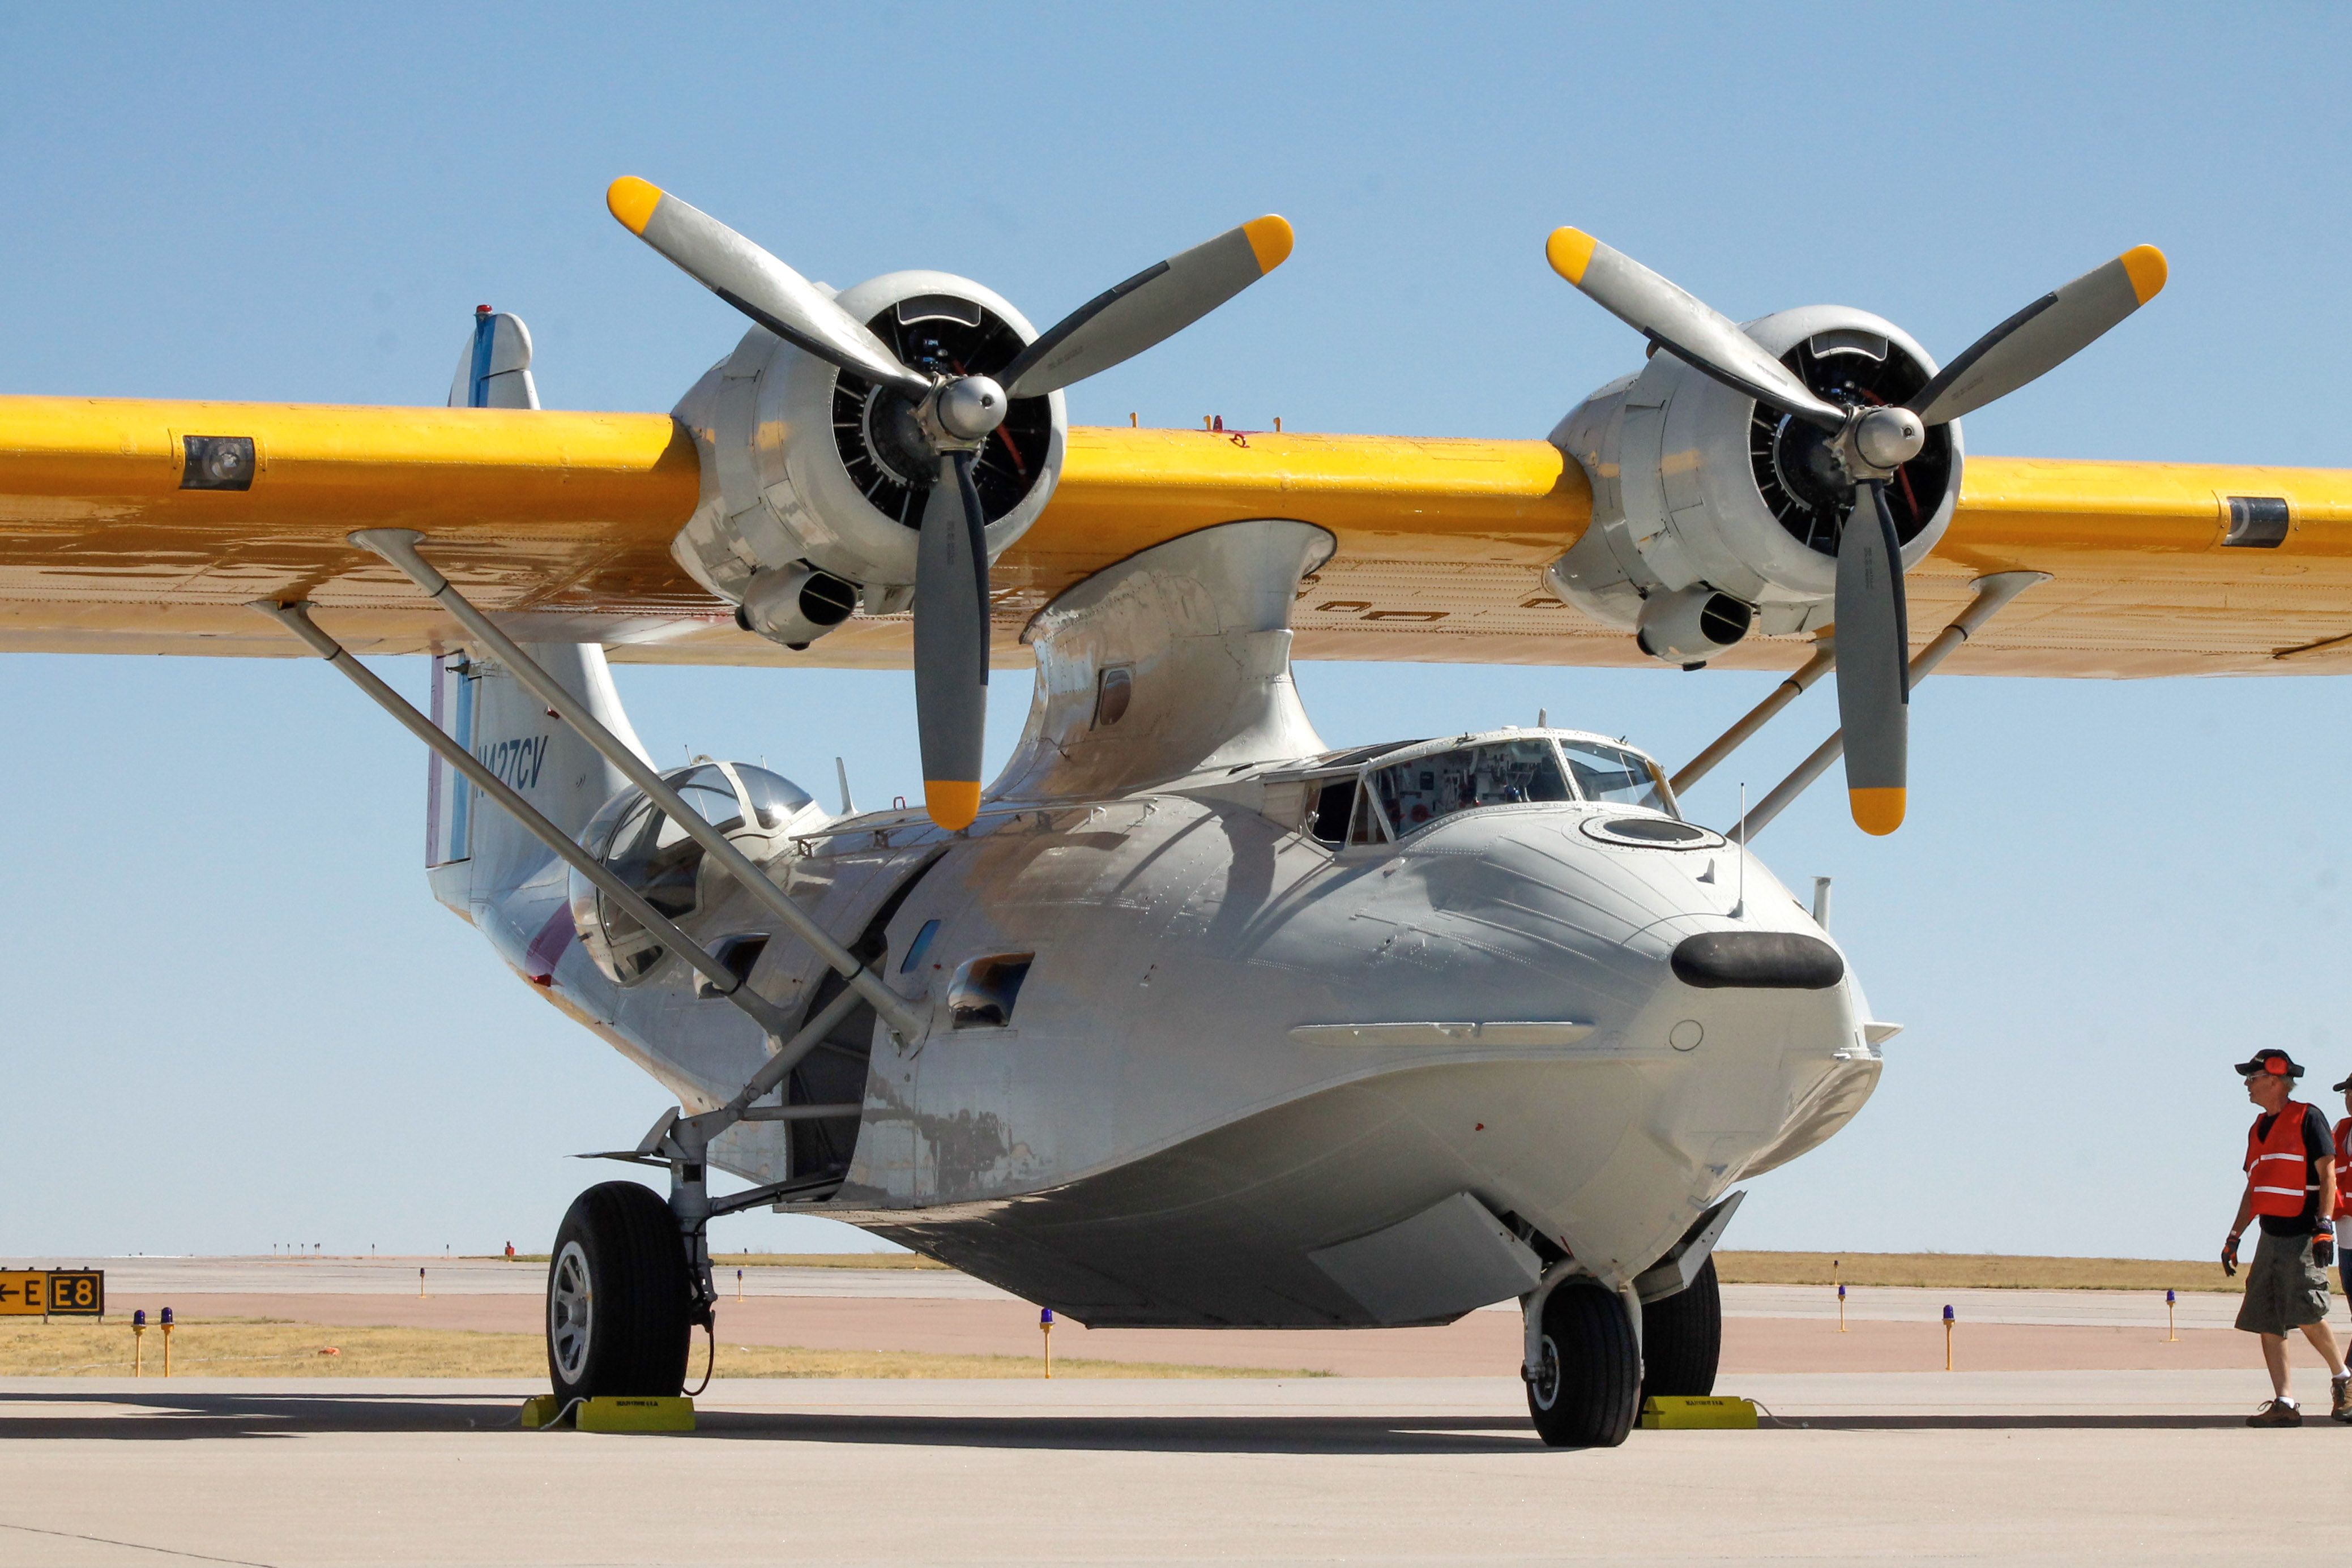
{"x":1767,"y":960}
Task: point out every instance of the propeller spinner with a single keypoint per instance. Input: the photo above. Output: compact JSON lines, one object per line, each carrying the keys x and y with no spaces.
{"x":1869,"y":444}
{"x":953,"y":415}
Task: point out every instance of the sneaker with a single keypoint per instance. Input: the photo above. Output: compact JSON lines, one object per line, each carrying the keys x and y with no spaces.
{"x":2340,"y":1395}
{"x":2276,"y":1413}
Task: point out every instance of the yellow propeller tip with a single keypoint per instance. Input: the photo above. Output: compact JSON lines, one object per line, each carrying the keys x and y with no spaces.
{"x":1569,"y":251}
{"x":1877,"y":812}
{"x":1270,"y":240}
{"x":952,"y":803}
{"x":632,"y":201}
{"x":2145,"y":265}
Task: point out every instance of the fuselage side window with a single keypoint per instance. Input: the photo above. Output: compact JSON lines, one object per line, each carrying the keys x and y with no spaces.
{"x":1611,"y":774}
{"x":1498,"y":773}
{"x":1329,"y":820}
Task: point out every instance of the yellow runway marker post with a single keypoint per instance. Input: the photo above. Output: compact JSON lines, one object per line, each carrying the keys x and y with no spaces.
{"x":1046,"y":1327}
{"x":2171,"y":1327}
{"x":138,"y":1340}
{"x":167,"y":1342}
{"x":1947,"y":1339}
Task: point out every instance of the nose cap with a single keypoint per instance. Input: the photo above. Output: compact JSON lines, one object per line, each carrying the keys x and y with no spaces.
{"x":1769,"y":960}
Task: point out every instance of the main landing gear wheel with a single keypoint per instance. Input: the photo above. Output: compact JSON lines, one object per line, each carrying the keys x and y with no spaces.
{"x":1682,"y":1339}
{"x":1588,"y":1385}
{"x":620,"y":1297}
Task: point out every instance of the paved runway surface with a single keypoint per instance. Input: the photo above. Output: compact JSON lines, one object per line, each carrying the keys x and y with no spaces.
{"x":2047,"y":1468}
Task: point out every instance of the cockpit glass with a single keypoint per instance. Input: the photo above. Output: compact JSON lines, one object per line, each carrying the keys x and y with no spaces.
{"x":649,"y":852}
{"x":1609,"y":773}
{"x":776,"y":798}
{"x":652,"y":855}
{"x":707,"y":790}
{"x":1498,"y":773}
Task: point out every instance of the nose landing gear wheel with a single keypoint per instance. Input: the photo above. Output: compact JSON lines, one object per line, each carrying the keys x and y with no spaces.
{"x":619,"y":1297}
{"x":1587,"y":1386}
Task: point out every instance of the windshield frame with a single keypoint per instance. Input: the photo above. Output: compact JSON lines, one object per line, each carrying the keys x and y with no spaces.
{"x":1370,"y":761}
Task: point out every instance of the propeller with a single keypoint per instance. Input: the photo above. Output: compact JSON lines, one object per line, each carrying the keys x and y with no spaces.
{"x":955,"y":414}
{"x":1873,"y":671}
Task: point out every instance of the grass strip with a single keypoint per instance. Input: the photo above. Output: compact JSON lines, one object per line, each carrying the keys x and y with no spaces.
{"x":269,"y":1347}
{"x":1972,"y":1271}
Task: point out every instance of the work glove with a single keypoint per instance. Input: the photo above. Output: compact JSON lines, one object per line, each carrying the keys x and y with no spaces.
{"x":2230,"y":1256}
{"x":2323,"y":1249}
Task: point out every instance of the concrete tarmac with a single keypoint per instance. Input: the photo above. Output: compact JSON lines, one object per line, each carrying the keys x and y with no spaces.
{"x":1969,"y":1467}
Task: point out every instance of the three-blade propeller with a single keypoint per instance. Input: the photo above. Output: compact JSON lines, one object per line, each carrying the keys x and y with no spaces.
{"x":956,"y":414}
{"x":1874,"y":672}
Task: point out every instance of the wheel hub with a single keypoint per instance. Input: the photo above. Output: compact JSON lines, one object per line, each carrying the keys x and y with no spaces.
{"x":569,"y":1308}
{"x":1546,"y":1384}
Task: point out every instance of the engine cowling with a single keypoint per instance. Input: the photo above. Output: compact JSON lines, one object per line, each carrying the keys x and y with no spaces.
{"x":810,"y":476}
{"x":1704,"y":501}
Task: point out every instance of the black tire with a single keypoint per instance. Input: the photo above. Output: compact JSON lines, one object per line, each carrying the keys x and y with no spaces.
{"x":1682,"y":1339}
{"x":1588,"y":1383}
{"x":620,"y":1298}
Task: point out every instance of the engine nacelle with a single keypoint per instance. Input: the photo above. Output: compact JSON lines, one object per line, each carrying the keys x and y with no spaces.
{"x":1701,"y":495}
{"x":795,"y":604}
{"x":813,"y":473}
{"x":1691,"y":626}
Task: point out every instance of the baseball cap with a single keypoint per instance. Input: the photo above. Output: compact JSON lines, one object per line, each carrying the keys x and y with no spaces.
{"x":2277,"y":1062}
{"x":2343,"y":1086}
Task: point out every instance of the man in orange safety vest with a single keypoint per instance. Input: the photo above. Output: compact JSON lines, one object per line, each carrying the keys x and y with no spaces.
{"x":2290,"y":1187}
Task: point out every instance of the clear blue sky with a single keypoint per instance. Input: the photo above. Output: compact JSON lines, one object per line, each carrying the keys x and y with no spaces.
{"x":236,"y":1017}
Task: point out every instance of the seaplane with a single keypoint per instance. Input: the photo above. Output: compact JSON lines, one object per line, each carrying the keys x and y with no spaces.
{"x":1187,"y":1018}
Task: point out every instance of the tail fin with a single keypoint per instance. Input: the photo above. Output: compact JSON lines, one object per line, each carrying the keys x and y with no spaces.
{"x":495,"y":370}
{"x":475,"y":853}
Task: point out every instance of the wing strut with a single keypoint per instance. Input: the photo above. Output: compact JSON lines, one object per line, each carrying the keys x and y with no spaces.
{"x":1994,"y":594}
{"x":296,"y":618}
{"x":678,"y":1142}
{"x":398,"y":546}
{"x":1763,"y":714}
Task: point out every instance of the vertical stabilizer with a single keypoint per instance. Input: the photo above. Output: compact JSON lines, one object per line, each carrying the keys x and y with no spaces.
{"x":494,"y":371}
{"x":474,"y":852}
{"x":475,"y":855}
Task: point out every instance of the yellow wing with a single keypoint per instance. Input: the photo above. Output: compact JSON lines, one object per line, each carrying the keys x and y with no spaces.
{"x":564,"y":521}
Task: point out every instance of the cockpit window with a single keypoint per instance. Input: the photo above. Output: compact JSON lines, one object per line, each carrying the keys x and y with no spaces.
{"x":1609,"y":773}
{"x":1498,"y":773}
{"x":720,"y":791}
{"x":1332,"y":802}
{"x":650,"y":852}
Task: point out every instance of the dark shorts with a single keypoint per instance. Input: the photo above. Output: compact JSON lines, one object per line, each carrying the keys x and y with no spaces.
{"x":2285,"y":1288}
